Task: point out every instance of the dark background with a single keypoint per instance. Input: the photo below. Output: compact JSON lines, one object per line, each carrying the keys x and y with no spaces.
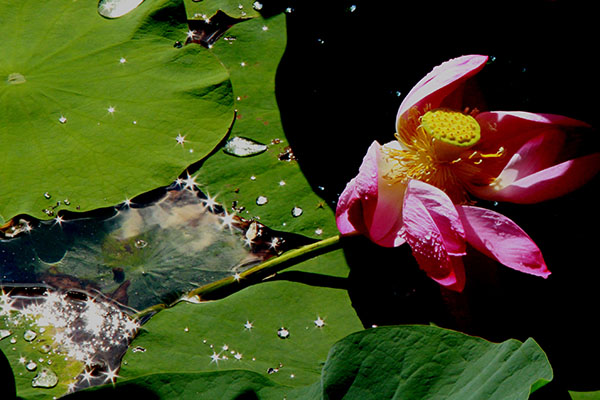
{"x":346,"y":69}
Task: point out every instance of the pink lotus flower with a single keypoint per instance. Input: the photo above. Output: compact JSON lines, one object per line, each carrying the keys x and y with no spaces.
{"x":420,"y":188}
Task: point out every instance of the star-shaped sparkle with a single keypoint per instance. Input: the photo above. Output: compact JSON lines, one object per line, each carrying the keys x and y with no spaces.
{"x":111,"y":109}
{"x":180,"y":139}
{"x":210,"y":202}
{"x":227,"y":220}
{"x":319,"y":322}
{"x":110,"y":375}
{"x":59,"y":220}
{"x":215,"y":358}
{"x":190,"y":182}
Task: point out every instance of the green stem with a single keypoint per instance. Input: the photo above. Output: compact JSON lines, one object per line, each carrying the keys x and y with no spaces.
{"x":260,"y":271}
{"x":268,"y":267}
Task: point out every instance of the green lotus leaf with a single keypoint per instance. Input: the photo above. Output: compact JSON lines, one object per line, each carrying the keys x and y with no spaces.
{"x":205,"y":10}
{"x":269,"y":186}
{"x":282,"y":330}
{"x":395,"y":362}
{"x":97,"y":110}
{"x":426,"y":362}
{"x":585,"y":395}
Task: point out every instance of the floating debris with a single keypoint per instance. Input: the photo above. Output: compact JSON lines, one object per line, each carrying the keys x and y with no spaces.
{"x":243,"y":147}
{"x":287,"y":154}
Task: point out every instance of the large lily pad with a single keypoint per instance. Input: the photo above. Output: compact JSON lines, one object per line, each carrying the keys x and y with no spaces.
{"x":426,"y":362}
{"x":97,"y":110}
{"x":269,"y":186}
{"x":281,"y":330}
{"x":397,"y":362}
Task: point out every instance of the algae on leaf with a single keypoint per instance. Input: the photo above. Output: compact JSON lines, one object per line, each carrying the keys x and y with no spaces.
{"x":96,"y":110}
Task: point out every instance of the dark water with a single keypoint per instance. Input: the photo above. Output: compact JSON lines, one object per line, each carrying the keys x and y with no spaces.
{"x":347,"y":68}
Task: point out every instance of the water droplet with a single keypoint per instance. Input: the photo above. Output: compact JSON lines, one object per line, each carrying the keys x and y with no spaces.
{"x":4,"y":333}
{"x":45,"y":348}
{"x":67,"y":202}
{"x":31,"y":366}
{"x":186,"y":329}
{"x":319,"y":323}
{"x":243,"y":147}
{"x":47,"y":195}
{"x":13,"y":340}
{"x":15,"y":78}
{"x":262,"y":200}
{"x":272,"y":370}
{"x":140,"y":243}
{"x":283,"y":333}
{"x":139,"y":349}
{"x":62,"y":119}
{"x":318,"y":231}
{"x":352,"y":8}
{"x":117,"y":8}
{"x":296,"y":212}
{"x":46,"y":378}
{"x":177,"y":45}
{"x":257,"y":5}
{"x":29,"y":335}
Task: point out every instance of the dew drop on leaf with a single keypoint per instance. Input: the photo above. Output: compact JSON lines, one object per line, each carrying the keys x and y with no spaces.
{"x":46,"y":378}
{"x":29,"y":335}
{"x":243,"y":147}
{"x":262,"y":200}
{"x":296,"y":212}
{"x":283,"y":333}
{"x":117,"y":8}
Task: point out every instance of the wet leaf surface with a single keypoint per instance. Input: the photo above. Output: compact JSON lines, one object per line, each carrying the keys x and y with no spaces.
{"x":93,"y":109}
{"x":269,"y":186}
{"x":61,"y":341}
{"x":278,"y":332}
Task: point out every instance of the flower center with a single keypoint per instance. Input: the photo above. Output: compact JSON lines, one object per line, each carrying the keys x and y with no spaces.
{"x":451,"y":132}
{"x":451,"y":127}
{"x":435,"y":146}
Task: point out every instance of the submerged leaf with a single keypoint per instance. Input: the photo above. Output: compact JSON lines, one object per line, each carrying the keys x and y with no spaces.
{"x":141,"y":256}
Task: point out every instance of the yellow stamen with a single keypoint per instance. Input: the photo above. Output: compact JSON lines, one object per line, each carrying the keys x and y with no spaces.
{"x":435,"y":149}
